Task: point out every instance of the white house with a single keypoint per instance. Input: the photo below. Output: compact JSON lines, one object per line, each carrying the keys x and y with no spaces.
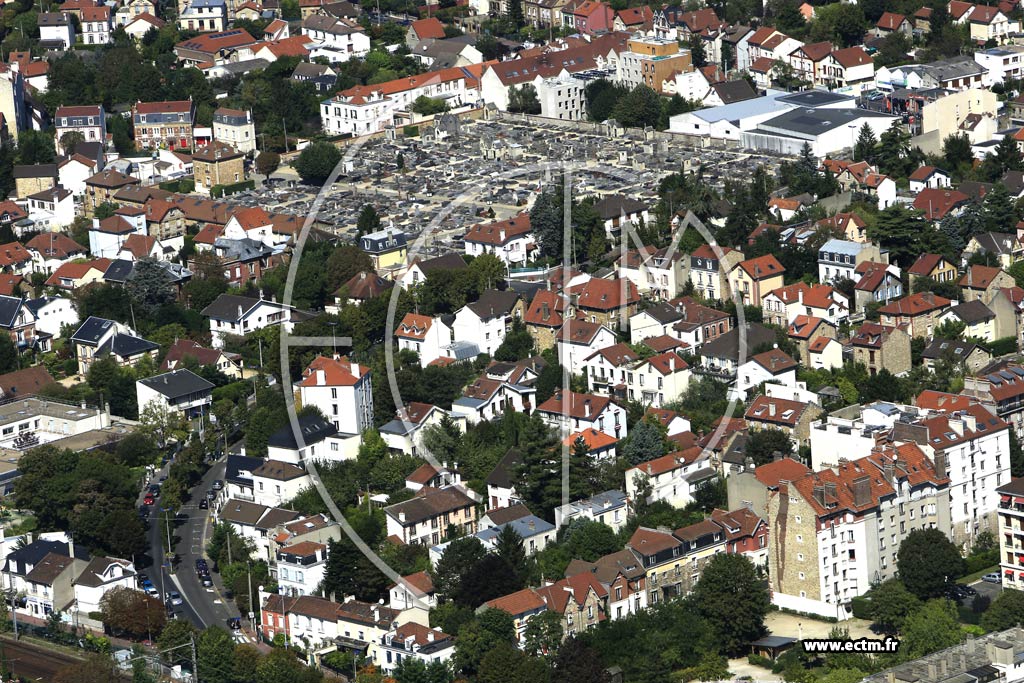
{"x":769,"y":366}
{"x":235,"y":315}
{"x":404,"y":434}
{"x":205,"y":16}
{"x":96,"y":24}
{"x":107,"y":236}
{"x":671,"y":478}
{"x":510,"y":240}
{"x":180,"y":391}
{"x":425,"y":336}
{"x":658,"y":380}
{"x":577,"y":340}
{"x":275,"y":482}
{"x":610,"y":508}
{"x":570,"y":412}
{"x":52,"y":209}
{"x":301,"y":567}
{"x":101,"y":575}
{"x":57,"y":29}
{"x":488,"y":397}
{"x":74,"y":171}
{"x":342,"y":390}
{"x":485,"y":321}
{"x":412,"y":641}
{"x":52,"y":313}
{"x":337,"y":39}
{"x":606,"y":368}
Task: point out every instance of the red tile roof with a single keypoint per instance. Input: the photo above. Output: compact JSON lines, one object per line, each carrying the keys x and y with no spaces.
{"x":915,"y":304}
{"x":925,"y":264}
{"x":762,"y":267}
{"x":979,"y":276}
{"x":785,"y":469}
{"x":501,"y":232}
{"x":890,"y":21}
{"x":778,"y":411}
{"x":337,"y":373}
{"x":575,"y":405}
{"x":937,"y":202}
{"x":545,"y":310}
{"x":428,"y":28}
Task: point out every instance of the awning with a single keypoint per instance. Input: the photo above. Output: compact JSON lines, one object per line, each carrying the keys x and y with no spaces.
{"x":1004,"y":498}
{"x":1018,"y":501}
{"x":1009,"y":572}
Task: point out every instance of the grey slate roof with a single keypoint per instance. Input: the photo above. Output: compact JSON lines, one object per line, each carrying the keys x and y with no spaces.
{"x":314,"y":430}
{"x":9,"y":307}
{"x":493,"y":303}
{"x":972,"y":312}
{"x":177,"y":384}
{"x":119,"y":270}
{"x":126,"y":346}
{"x":226,"y":307}
{"x":92,"y":330}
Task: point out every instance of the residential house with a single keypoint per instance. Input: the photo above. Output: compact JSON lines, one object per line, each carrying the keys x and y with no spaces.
{"x":658,"y":380}
{"x":509,"y":240}
{"x":955,"y":351}
{"x":89,"y":120}
{"x":981,"y":283}
{"x":825,"y":353}
{"x":781,"y":306}
{"x":709,"y":270}
{"x":425,"y":336}
{"x":234,"y":315}
{"x":342,"y":390}
{"x":792,"y":417}
{"x":937,"y":203}
{"x":570,"y":412}
{"x":183,"y":349}
{"x":544,"y":317}
{"x":606,"y":302}
{"x":1005,"y":247}
{"x":577,"y":340}
{"x":485,"y":321}
{"x":838,"y":259}
{"x":978,"y":319}
{"x":99,"y":337}
{"x":178,"y":391}
{"x":73,"y":275}
{"x":928,"y":177}
{"x":235,"y":127}
{"x":768,"y":366}
{"x":217,"y":164}
{"x":917,"y":312}
{"x":806,"y":329}
{"x":877,"y":283}
{"x":752,"y":279}
{"x":671,"y":478}
{"x":616,"y":211}
{"x":386,"y":248}
{"x":934,"y":267}
{"x":426,"y":517}
{"x":610,"y":508}
{"x":882,"y":347}
{"x":164,"y":124}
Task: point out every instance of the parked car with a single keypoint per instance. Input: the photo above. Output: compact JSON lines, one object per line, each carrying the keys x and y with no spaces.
{"x":206,"y":580}
{"x":204,"y":504}
{"x":234,"y":623}
{"x":992,"y":577}
{"x":149,"y":500}
{"x":218,"y":484}
{"x":174,"y":598}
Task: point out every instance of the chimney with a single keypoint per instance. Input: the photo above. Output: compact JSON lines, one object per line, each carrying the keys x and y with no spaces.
{"x":861,"y":491}
{"x":401,"y":517}
{"x":586,"y":407}
{"x":672,"y":363}
{"x":545,"y":311}
{"x":819,"y":495}
{"x":771,"y":409}
{"x":239,"y":312}
{"x":889,"y":470}
{"x":501,"y":234}
{"x":430,"y":637}
{"x":355,"y":369}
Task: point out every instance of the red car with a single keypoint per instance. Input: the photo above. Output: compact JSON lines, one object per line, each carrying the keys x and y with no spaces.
{"x":148,"y":500}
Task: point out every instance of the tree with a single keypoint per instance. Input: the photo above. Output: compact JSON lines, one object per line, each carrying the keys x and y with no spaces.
{"x":176,"y":633}
{"x":864,"y":148}
{"x":639,"y":108}
{"x":645,"y":441}
{"x":35,"y":147}
{"x":149,"y":285}
{"x":894,"y":153}
{"x":523,"y":99}
{"x":934,"y":627}
{"x":368,"y":221}
{"x":763,"y":444}
{"x":579,"y":663}
{"x":1005,"y":612}
{"x":697,"y":54}
{"x":998,"y":211}
{"x":347,"y":261}
{"x":927,"y":561}
{"x":509,"y":547}
{"x":8,"y":354}
{"x":424,"y":105}
{"x":489,"y":269}
{"x":543,"y":635}
{"x":70,"y":140}
{"x":214,"y":649}
{"x":414,"y":670}
{"x":891,"y":603}
{"x":281,"y":666}
{"x":316,"y":163}
{"x":547,"y":220}
{"x":956,"y":150}
{"x":208,"y":281}
{"x":267,"y":162}
{"x":132,"y":612}
{"x":900,"y":230}
{"x":518,"y":344}
{"x":488,"y":630}
{"x":733,"y":599}
{"x":455,"y":562}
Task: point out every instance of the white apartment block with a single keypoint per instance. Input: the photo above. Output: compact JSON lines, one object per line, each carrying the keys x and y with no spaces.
{"x":342,"y":390}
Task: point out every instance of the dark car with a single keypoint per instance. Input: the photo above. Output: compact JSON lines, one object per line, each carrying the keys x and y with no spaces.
{"x":234,"y":623}
{"x":206,"y":580}
{"x":204,"y":504}
{"x":218,"y":484}
{"x":154,"y":489}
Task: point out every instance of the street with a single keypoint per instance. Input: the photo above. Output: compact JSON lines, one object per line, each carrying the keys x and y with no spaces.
{"x":202,"y":606}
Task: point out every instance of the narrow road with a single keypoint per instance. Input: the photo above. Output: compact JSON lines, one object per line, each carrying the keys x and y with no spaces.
{"x":33,"y":662}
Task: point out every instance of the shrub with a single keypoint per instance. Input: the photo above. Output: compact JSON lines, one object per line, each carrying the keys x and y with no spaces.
{"x":861,"y":607}
{"x":411,"y":131}
{"x":758,"y":660}
{"x":218,"y":191}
